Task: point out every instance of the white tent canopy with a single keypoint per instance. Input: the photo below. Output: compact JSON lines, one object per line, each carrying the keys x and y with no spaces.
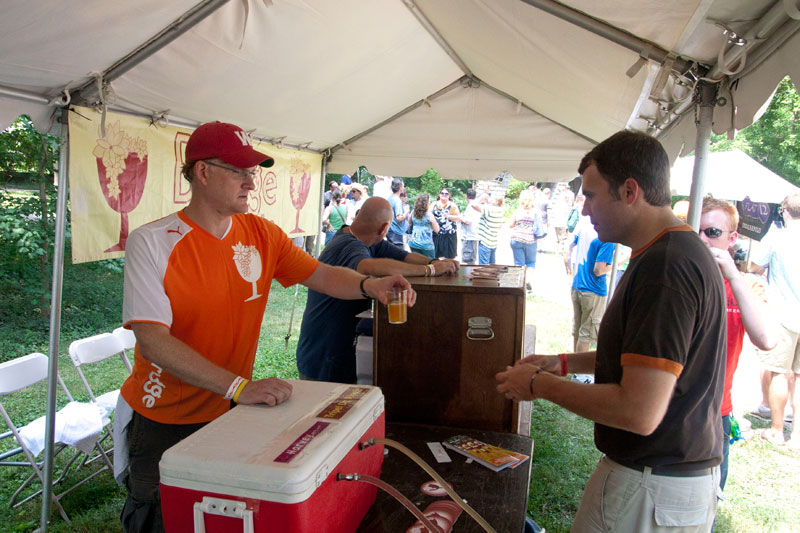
{"x":732,"y":175}
{"x":319,"y":74}
{"x":364,"y":81}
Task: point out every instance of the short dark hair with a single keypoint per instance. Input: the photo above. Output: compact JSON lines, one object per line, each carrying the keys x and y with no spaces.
{"x":187,"y":170}
{"x":397,"y":184}
{"x":471,"y":194}
{"x":628,"y":154}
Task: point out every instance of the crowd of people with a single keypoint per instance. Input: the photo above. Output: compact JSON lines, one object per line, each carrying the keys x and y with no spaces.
{"x":666,"y":346}
{"x":437,"y":227}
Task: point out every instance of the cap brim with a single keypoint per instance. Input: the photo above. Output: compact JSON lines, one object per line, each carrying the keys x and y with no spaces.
{"x":248,"y":158}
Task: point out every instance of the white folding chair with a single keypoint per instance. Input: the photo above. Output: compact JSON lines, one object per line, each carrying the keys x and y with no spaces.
{"x":93,"y":350}
{"x":127,"y":338}
{"x":17,"y":375}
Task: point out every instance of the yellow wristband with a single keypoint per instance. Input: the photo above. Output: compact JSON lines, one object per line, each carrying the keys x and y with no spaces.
{"x":239,"y":390}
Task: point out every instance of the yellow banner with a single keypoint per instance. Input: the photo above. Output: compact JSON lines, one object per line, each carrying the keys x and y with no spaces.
{"x":132,"y":175}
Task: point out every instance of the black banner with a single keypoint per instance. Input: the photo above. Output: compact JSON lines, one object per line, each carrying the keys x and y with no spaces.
{"x":755,"y":218}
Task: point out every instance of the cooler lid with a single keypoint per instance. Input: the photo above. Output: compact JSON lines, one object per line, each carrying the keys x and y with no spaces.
{"x":279,"y":453}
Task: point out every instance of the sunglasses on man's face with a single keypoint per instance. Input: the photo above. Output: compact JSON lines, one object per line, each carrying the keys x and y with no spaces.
{"x":713,"y":233}
{"x":444,"y":194}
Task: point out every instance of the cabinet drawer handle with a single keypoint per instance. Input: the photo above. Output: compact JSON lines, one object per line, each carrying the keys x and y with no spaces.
{"x":479,"y":328}
{"x":486,"y":334}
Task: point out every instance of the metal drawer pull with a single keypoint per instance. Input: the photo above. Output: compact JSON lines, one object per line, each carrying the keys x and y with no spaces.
{"x":479,"y":328}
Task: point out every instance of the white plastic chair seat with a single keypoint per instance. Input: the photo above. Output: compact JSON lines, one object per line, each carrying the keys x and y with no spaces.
{"x":107,"y":403}
{"x":78,"y":424}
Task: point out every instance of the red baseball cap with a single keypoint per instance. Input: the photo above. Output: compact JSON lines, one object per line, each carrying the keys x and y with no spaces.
{"x":227,"y":142}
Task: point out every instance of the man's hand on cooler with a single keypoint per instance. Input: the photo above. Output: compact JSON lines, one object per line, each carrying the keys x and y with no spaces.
{"x":270,"y":391}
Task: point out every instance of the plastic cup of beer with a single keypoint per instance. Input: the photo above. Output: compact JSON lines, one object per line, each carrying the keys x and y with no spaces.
{"x":398,"y":305}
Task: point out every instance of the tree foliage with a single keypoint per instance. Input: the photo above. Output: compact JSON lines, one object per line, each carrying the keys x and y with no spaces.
{"x":774,"y":139}
{"x":21,"y":154}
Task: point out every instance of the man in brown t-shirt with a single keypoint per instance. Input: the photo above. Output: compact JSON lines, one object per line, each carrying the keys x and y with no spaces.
{"x":660,"y":360}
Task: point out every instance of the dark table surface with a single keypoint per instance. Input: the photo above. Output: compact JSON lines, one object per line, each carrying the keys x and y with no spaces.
{"x":500,"y":497}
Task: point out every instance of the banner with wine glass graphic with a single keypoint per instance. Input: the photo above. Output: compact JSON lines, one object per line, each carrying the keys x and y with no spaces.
{"x":131,"y":174}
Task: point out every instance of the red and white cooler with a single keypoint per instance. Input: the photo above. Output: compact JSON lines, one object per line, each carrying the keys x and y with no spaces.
{"x":273,"y":469}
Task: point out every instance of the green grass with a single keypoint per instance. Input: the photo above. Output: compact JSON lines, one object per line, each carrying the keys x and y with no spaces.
{"x":762,"y":487}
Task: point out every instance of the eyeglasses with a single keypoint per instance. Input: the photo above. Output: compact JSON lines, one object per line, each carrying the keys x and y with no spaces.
{"x":243,"y":174}
{"x":444,"y":193}
{"x":713,"y":233}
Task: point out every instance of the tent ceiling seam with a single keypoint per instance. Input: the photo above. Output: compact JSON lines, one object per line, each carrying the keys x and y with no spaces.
{"x":440,"y":40}
{"x":178,"y":27}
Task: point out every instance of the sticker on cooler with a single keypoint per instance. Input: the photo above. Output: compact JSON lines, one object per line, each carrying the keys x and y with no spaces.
{"x":302,"y":441}
{"x":346,"y":401}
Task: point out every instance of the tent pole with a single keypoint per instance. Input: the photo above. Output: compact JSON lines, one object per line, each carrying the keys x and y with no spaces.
{"x":706,"y":99}
{"x":55,"y":319}
{"x":88,"y":91}
{"x":612,"y":276}
{"x":623,"y":38}
{"x":323,"y":179}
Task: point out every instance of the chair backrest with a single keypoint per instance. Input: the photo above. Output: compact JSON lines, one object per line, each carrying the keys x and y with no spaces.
{"x":22,"y":372}
{"x":94,"y":349}
{"x":126,"y":337}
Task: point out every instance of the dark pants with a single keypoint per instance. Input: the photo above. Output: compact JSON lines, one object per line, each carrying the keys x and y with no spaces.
{"x":445,"y":244}
{"x":395,"y":238}
{"x":726,"y":448}
{"x":148,"y":440}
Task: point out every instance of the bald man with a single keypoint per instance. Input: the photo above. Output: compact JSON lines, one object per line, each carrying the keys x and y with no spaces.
{"x":326,"y":351}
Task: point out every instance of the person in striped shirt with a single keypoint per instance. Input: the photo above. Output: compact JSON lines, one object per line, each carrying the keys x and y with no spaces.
{"x":492,"y":217}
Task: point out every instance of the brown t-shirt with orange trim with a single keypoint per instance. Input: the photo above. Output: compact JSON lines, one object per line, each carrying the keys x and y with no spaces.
{"x":211,"y":293}
{"x":668,"y":313}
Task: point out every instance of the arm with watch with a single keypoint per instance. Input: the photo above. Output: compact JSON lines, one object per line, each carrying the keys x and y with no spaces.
{"x":414,"y":265}
{"x":348,"y":284}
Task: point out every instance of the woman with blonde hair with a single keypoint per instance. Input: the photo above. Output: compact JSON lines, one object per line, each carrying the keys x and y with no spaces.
{"x":526,"y":228}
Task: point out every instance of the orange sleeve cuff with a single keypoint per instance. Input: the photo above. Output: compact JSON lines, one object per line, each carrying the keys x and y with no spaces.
{"x":635,"y":359}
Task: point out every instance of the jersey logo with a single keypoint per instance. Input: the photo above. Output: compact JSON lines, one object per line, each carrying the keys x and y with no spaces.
{"x":248,"y":263}
{"x":153,"y":387}
{"x":178,"y":231}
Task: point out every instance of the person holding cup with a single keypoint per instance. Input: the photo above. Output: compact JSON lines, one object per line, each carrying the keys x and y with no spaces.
{"x":325,"y":350}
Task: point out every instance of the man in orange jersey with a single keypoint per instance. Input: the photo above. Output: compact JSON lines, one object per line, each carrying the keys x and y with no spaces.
{"x":196,"y":287}
{"x":660,"y":361}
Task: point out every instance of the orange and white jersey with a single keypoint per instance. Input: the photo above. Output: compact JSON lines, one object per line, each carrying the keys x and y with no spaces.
{"x":211,"y":293}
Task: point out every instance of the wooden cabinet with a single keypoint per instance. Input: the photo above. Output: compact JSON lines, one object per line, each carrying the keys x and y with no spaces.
{"x":434,"y":370}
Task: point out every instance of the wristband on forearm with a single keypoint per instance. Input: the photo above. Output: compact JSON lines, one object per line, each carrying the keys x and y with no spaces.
{"x":239,"y":389}
{"x":564,"y":364}
{"x":234,"y":386}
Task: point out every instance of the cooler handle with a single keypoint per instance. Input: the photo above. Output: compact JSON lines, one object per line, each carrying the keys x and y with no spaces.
{"x":221,"y":507}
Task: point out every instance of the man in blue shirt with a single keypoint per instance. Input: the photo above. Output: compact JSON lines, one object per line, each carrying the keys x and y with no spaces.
{"x":589,"y":287}
{"x":325,"y":350}
{"x":397,"y":229}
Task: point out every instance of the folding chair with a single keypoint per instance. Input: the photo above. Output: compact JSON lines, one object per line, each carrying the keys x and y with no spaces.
{"x":127,"y":338}
{"x":17,"y":375}
{"x":93,"y":350}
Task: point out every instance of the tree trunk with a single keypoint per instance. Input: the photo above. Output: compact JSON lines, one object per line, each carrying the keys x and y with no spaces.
{"x":44,"y":260}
